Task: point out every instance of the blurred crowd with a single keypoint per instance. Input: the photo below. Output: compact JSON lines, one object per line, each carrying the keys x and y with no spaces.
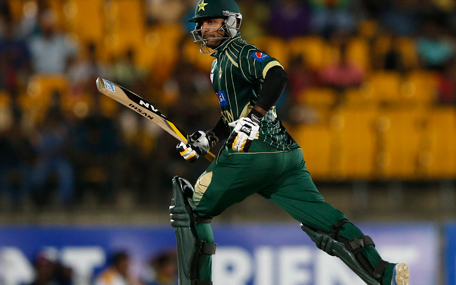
{"x":61,"y":144}
{"x":161,"y":269}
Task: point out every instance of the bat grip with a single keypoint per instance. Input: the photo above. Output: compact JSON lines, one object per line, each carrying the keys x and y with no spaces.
{"x":210,"y":156}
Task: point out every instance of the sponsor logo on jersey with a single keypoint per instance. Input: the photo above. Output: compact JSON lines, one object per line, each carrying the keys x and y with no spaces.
{"x":222,"y":98}
{"x":259,"y":56}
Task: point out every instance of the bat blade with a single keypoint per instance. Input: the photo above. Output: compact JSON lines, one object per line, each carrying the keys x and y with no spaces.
{"x":141,"y":106}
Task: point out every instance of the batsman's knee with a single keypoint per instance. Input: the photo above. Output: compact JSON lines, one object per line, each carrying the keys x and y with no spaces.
{"x":349,"y":251}
{"x":193,"y":235}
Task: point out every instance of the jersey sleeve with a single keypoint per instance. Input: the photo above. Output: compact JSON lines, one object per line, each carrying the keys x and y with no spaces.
{"x":254,"y":64}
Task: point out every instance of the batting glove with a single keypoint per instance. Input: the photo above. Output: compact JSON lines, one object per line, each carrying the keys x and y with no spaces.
{"x":188,"y":152}
{"x":245,"y":131}
{"x":198,"y":144}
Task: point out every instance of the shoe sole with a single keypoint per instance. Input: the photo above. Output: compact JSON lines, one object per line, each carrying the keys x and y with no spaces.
{"x":402,"y":274}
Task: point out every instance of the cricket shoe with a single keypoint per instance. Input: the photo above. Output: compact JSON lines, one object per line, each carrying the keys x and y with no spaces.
{"x":401,"y":274}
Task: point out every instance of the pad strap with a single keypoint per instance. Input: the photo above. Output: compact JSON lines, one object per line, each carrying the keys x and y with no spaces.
{"x":379,"y":269}
{"x":201,"y":282}
{"x":358,"y":243}
{"x":355,"y":246}
{"x":200,"y":220}
{"x":206,"y":248}
{"x":334,"y":232}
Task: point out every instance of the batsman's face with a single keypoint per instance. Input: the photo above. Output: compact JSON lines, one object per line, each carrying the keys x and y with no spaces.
{"x":212,"y":32}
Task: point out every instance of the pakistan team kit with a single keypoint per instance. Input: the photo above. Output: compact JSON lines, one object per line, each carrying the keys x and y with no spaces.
{"x":257,"y":156}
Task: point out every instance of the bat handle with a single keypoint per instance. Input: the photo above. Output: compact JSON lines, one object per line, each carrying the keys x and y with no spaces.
{"x":210,"y":156}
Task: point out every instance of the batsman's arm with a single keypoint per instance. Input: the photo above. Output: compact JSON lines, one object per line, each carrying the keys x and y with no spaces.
{"x":273,"y":86}
{"x":219,"y":131}
{"x":246,"y":129}
{"x":141,"y":106}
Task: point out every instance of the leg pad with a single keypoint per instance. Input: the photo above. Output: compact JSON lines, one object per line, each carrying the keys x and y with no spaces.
{"x":336,"y":248}
{"x":189,"y":246}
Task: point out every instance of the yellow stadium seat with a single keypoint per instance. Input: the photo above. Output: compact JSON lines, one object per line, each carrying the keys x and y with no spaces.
{"x":5,"y":110}
{"x":399,"y":135}
{"x":438,"y":159}
{"x":368,"y":28}
{"x":381,"y":45}
{"x":319,"y":98}
{"x":315,"y":142}
{"x":129,"y":13}
{"x":39,"y":93}
{"x":420,"y":88}
{"x":313,"y":49}
{"x":360,"y":98}
{"x":192,"y":53}
{"x":358,"y":51}
{"x":5,"y":98}
{"x":274,"y":47}
{"x":152,"y":51}
{"x":385,"y":86}
{"x":58,"y":7}
{"x":355,"y":142}
{"x":126,"y":22}
{"x":405,"y":46}
{"x":161,"y":50}
{"x":16,"y":8}
{"x":408,"y":51}
{"x":109,"y":107}
{"x":78,"y":12}
{"x":41,"y":87}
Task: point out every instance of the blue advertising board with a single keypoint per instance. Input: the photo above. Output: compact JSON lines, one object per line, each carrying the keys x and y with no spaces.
{"x":450,"y":254}
{"x":250,"y":254}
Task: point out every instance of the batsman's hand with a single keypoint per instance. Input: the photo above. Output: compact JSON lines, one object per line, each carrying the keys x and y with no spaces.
{"x":198,"y":144}
{"x":245,"y":131}
{"x":188,"y":152}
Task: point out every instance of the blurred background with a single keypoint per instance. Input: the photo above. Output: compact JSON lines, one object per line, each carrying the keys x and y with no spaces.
{"x":371,"y":100}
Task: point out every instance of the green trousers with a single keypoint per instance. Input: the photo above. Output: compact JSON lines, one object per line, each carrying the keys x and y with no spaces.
{"x":279,"y":176}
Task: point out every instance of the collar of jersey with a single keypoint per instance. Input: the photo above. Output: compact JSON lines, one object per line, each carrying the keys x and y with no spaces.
{"x":224,"y":45}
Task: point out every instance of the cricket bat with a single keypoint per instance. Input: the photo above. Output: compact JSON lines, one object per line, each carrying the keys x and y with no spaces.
{"x":138,"y":104}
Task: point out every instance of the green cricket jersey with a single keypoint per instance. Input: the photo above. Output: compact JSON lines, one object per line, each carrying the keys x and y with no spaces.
{"x":237,"y":75}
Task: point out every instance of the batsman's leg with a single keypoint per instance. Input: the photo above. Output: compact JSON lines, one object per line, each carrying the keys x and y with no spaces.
{"x":331,"y":231}
{"x":195,"y":241}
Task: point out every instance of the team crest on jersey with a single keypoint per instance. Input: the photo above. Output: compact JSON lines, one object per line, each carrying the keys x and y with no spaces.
{"x":259,"y":56}
{"x":222,"y":98}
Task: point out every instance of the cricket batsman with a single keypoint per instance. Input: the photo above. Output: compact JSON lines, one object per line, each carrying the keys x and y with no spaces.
{"x":257,"y":156}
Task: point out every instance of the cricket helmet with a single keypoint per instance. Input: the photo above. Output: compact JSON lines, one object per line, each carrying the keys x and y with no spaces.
{"x":210,"y":9}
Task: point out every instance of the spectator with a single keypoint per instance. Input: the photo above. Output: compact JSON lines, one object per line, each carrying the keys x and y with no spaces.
{"x":174,"y":11}
{"x":97,"y":148}
{"x":51,"y":51}
{"x":259,"y":15}
{"x":164,"y":267}
{"x":51,"y":145}
{"x":15,"y":64}
{"x":290,"y":18}
{"x":342,"y":74}
{"x":434,"y":48}
{"x":392,"y":59}
{"x":401,"y":17}
{"x":332,"y":15}
{"x":118,"y":272}
{"x":301,"y":76}
{"x":83,"y":73}
{"x":51,"y":272}
{"x":191,"y":87}
{"x":125,"y":73}
{"x":29,"y":24}
{"x":17,"y":158}
{"x":447,"y":84}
